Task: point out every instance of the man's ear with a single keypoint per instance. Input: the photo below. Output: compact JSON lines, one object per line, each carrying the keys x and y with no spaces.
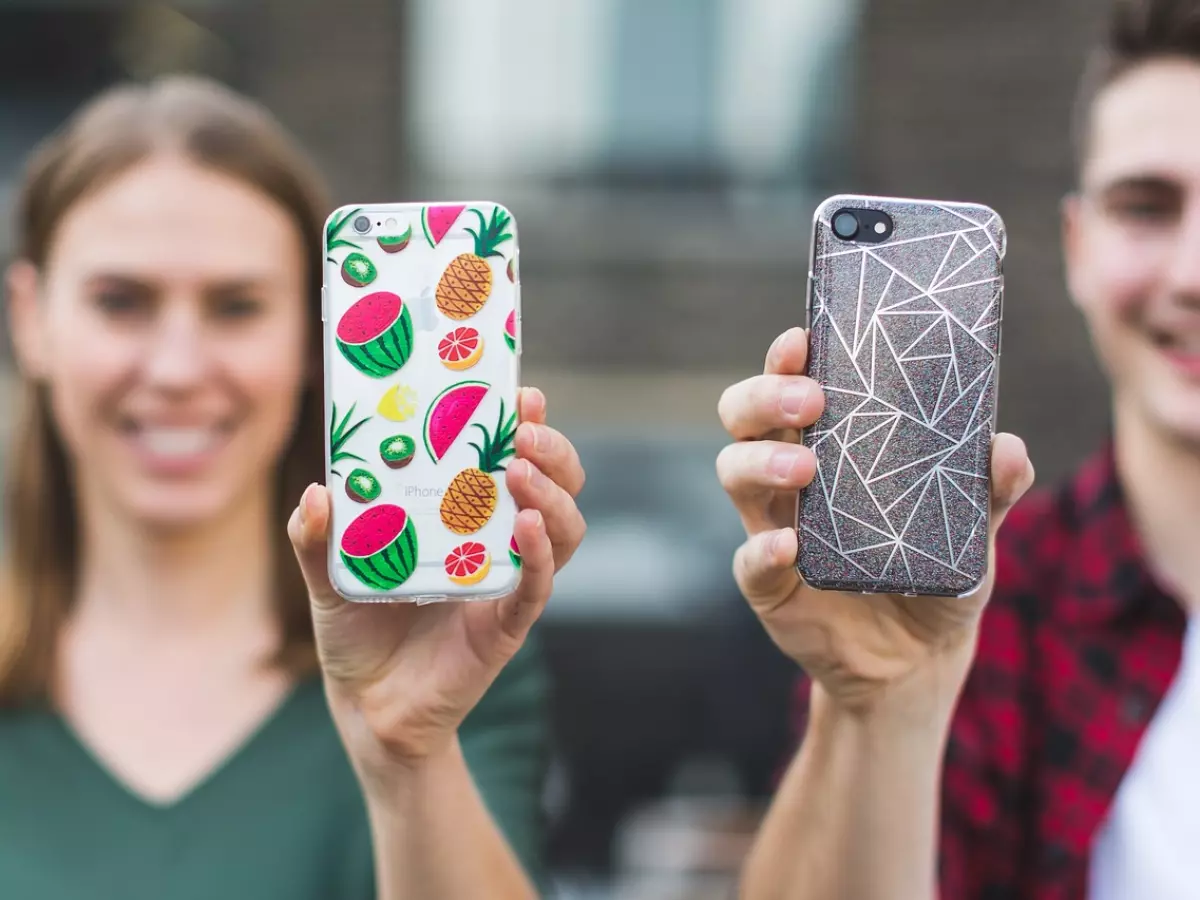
{"x":25,"y":318}
{"x":1070,"y":215}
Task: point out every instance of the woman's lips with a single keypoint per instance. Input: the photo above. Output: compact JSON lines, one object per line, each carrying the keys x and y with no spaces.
{"x":175,"y":449}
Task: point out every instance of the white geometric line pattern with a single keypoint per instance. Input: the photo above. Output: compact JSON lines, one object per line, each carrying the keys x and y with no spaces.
{"x":905,"y":341}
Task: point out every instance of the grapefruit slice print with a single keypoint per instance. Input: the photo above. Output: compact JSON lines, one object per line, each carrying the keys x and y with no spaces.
{"x":461,"y":348}
{"x":468,"y":563}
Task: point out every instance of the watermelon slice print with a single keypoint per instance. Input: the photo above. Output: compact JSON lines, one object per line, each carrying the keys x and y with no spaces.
{"x":449,"y":414}
{"x":436,"y":221}
{"x":510,"y":331}
{"x":468,"y":563}
{"x":514,"y":552}
{"x":380,"y":547}
{"x":376,"y":334}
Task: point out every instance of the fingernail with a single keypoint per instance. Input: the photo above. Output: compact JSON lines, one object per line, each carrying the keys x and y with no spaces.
{"x":539,"y":439}
{"x":541,"y":522}
{"x":302,"y":507}
{"x":782,"y":462}
{"x":779,"y":546}
{"x":773,"y":350}
{"x":793,"y":397}
{"x":531,"y":472}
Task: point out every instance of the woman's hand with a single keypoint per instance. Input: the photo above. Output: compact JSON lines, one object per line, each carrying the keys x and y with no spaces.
{"x":400,"y":677}
{"x":855,"y":646}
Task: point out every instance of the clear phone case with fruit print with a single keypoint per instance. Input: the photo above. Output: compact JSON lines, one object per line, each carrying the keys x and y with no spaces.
{"x":905,"y":342}
{"x":422,"y":367}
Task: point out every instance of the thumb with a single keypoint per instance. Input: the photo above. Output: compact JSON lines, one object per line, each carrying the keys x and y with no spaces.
{"x":765,"y":568}
{"x":1012,"y":476}
{"x":309,"y":530}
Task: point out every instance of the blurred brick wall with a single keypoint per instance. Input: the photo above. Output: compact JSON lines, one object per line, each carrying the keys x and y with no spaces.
{"x":971,"y":101}
{"x":639,"y":313}
{"x":330,"y":71}
{"x":951,"y":100}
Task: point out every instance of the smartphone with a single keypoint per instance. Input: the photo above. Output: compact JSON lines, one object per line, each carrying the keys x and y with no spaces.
{"x":422,"y":338}
{"x":905,"y":304}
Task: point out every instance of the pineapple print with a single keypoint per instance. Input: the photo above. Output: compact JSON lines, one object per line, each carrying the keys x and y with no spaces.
{"x":467,"y":282}
{"x":470,"y":499}
{"x":340,"y":431}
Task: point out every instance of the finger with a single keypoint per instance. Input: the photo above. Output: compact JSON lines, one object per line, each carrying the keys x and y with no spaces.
{"x":763,"y":404}
{"x":753,"y":472}
{"x":788,"y":355}
{"x":1012,"y":475}
{"x":531,"y":405}
{"x":765,"y":568}
{"x":564,"y":523}
{"x":520,"y":609}
{"x":309,"y":530}
{"x":553,"y":454}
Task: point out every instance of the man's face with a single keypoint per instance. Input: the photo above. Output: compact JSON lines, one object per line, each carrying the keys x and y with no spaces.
{"x":1132,"y":240}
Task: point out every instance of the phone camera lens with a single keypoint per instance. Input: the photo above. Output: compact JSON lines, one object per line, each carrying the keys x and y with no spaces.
{"x":362,"y":224}
{"x":845,"y":225}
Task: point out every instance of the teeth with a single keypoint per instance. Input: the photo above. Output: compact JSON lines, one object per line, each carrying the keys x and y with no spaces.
{"x":178,"y":441}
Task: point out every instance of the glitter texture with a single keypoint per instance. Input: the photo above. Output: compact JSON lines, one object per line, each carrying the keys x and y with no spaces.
{"x":905,"y":341}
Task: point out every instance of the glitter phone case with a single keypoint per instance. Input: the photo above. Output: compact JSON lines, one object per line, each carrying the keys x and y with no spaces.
{"x":905,"y":341}
{"x":421,"y":305}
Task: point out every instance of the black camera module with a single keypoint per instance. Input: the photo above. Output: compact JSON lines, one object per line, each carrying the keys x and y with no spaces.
{"x":866,"y":226}
{"x":845,"y":225}
{"x":362,"y":224}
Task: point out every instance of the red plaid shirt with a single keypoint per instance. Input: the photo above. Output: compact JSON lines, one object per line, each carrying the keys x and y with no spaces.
{"x":1077,"y":648}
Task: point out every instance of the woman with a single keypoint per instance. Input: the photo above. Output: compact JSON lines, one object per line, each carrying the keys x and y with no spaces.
{"x":166,"y":726}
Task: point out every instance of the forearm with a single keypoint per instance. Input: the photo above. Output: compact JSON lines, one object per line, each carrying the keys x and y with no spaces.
{"x":434,"y":838}
{"x":856,"y":814}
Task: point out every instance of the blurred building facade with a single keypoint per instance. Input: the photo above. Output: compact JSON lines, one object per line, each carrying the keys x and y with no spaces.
{"x":663,"y":158}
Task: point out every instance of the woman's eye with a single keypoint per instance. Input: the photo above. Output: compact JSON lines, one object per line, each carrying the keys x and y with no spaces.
{"x":236,"y":307}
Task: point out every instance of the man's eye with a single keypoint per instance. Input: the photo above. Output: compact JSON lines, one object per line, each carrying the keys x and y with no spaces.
{"x":117,"y":302}
{"x":1145,"y":210}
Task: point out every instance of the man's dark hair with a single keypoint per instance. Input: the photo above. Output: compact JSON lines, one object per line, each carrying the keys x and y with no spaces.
{"x":1137,"y":32}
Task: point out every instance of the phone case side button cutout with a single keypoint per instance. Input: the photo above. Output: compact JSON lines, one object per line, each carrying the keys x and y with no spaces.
{"x":1000,"y":328}
{"x":324,"y":308}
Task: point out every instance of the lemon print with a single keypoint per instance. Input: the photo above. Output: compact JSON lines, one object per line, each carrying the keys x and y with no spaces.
{"x":398,"y":404}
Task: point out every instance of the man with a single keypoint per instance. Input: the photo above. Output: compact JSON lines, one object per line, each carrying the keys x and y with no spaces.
{"x":1046,"y":747}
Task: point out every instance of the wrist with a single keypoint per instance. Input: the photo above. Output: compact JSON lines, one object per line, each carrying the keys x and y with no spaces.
{"x":394,"y":784}
{"x":922,"y":700}
{"x":394,"y":755}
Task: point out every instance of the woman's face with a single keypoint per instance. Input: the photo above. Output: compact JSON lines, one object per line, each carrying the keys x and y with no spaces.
{"x":170,"y":329}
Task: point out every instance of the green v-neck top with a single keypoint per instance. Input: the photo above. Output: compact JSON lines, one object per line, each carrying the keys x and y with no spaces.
{"x":283,"y":817}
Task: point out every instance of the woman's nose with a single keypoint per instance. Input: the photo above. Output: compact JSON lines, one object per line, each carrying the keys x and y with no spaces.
{"x":175,"y":356}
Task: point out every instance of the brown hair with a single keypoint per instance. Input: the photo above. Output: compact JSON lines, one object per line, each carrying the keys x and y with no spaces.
{"x":1136,"y":32}
{"x":219,"y":129}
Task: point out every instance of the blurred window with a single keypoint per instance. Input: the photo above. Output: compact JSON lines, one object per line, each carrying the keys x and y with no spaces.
{"x":709,"y":91}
